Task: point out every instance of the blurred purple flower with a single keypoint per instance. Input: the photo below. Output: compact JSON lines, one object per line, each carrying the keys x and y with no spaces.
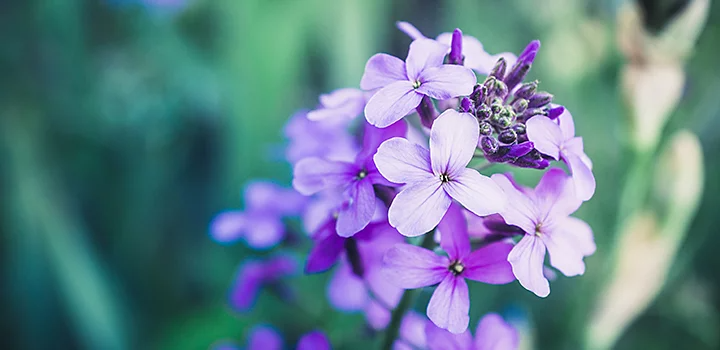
{"x":264,"y":338}
{"x":412,"y":332}
{"x":254,"y":274}
{"x":492,"y":333}
{"x":314,"y":340}
{"x":410,"y":267}
{"x":260,"y":224}
{"x":327,"y":139}
{"x":342,"y":105}
{"x":543,"y":213}
{"x":434,"y":178}
{"x":402,"y":85}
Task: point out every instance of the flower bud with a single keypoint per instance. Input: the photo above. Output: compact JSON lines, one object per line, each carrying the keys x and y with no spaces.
{"x":507,"y":136}
{"x":485,"y":128}
{"x":499,"y":69}
{"x":526,"y":90}
{"x":456,"y":56}
{"x":520,"y":105}
{"x":483,"y":112}
{"x":519,"y":128}
{"x":489,"y":144}
{"x":555,"y":112}
{"x":478,"y":94}
{"x":540,"y":99}
{"x":466,"y":105}
{"x":500,"y":89}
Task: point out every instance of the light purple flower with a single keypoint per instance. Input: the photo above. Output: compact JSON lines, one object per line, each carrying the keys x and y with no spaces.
{"x":434,"y":178}
{"x":402,"y":85}
{"x":412,"y":332}
{"x":326,"y":138}
{"x":475,"y":55}
{"x":492,"y":333}
{"x":264,"y":338}
{"x":342,"y":105}
{"x":254,"y":274}
{"x":543,"y":213}
{"x":314,"y":340}
{"x":557,"y":139}
{"x":260,"y":224}
{"x":356,"y":179}
{"x":410,"y":267}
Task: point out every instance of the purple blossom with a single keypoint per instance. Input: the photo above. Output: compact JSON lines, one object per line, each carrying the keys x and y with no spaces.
{"x":314,"y":340}
{"x":434,"y":178}
{"x":492,"y":333}
{"x":254,"y":274}
{"x":356,"y":179}
{"x":260,"y":224}
{"x":402,"y":85}
{"x":342,"y":104}
{"x":264,"y":338}
{"x":543,"y":214}
{"x":327,"y":138}
{"x":556,"y":138}
{"x":412,"y":332}
{"x":411,"y":267}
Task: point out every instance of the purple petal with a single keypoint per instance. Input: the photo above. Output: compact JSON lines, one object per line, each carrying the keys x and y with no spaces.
{"x":567,"y":244}
{"x":555,"y":195}
{"x":328,"y":247}
{"x":454,"y":238}
{"x":264,"y":232}
{"x":412,"y":329}
{"x":453,"y":139}
{"x":419,"y":207}
{"x":374,"y":136}
{"x":489,"y":264}
{"x":264,"y":338}
{"x":446,"y":81}
{"x":580,"y":233}
{"x":582,"y":176}
{"x":392,"y":103}
{"x":423,"y":54}
{"x":314,"y":340}
{"x":440,"y":339}
{"x":346,"y":291}
{"x":383,"y":289}
{"x":228,"y":226}
{"x":382,"y":70}
{"x":279,"y":266}
{"x":410,"y":30}
{"x":320,"y":210}
{"x":449,"y":305}
{"x":527,"y":259}
{"x":478,"y":193}
{"x":521,"y":211}
{"x":409,"y":267}
{"x":567,"y":125}
{"x":247,"y":285}
{"x":360,"y":211}
{"x":312,"y":175}
{"x":376,"y":315}
{"x":342,"y":103}
{"x":493,"y":333}
{"x":401,"y":161}
{"x":545,"y":135}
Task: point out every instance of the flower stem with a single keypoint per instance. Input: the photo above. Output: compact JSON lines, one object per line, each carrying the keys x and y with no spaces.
{"x":405,"y":303}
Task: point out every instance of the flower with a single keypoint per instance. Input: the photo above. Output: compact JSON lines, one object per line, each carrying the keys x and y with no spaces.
{"x":260,"y":224}
{"x":412,"y":332}
{"x":254,"y":274}
{"x":410,"y":267}
{"x":557,"y":139}
{"x":356,"y":179}
{"x":342,"y":104}
{"x":492,"y":333}
{"x":434,"y":178}
{"x":314,"y":340}
{"x":543,"y":214}
{"x":264,"y":337}
{"x":402,"y":85}
{"x":326,"y":138}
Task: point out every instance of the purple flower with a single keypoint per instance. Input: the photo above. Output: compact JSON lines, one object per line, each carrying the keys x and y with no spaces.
{"x":260,"y":224}
{"x":356,"y":179}
{"x":342,"y":104}
{"x":327,"y":138}
{"x":314,"y":340}
{"x":434,"y":178}
{"x":543,"y":214}
{"x":412,"y":332}
{"x":557,"y":139}
{"x":410,"y":267}
{"x":492,"y":333}
{"x":403,"y":84}
{"x":254,"y":274}
{"x":264,"y":338}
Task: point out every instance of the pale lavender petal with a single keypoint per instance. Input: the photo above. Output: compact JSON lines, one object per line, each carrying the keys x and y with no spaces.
{"x":478,"y":193}
{"x":321,"y":209}
{"x":373,"y":137}
{"x":527,"y":259}
{"x":409,"y":266}
{"x":521,"y":211}
{"x":563,"y":255}
{"x":555,"y":195}
{"x":449,"y":305}
{"x":392,"y":103}
{"x":453,"y":139}
{"x":328,"y":247}
{"x":342,"y":103}
{"x":440,"y":339}
{"x":346,"y":291}
{"x":228,"y":226}
{"x":382,"y":70}
{"x":454,"y":238}
{"x":384,"y":290}
{"x":376,"y":315}
{"x":582,"y":176}
{"x":567,"y":125}
{"x":264,"y":232}
{"x":401,"y":161}
{"x":490,"y":264}
{"x":261,"y":194}
{"x":545,"y":134}
{"x":264,"y":338}
{"x":314,"y":340}
{"x":493,"y":333}
{"x":423,"y":54}
{"x":580,"y":233}
{"x":410,"y":30}
{"x":360,"y":210}
{"x":419,"y":207}
{"x":312,"y":175}
{"x":412,"y":329}
{"x":446,"y":81}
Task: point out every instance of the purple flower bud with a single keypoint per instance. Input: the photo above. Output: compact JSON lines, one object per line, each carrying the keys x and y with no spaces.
{"x":483,"y":112}
{"x":526,"y":90}
{"x":523,"y":64}
{"x":555,"y":112}
{"x":521,"y":149}
{"x":466,"y":106}
{"x":507,"y":136}
{"x":528,"y":55}
{"x":485,"y":128}
{"x":427,"y":112}
{"x":540,"y":99}
{"x":519,"y":128}
{"x":531,"y":112}
{"x":489,"y":144}
{"x":456,"y":56}
{"x":499,"y":69}
{"x":520,"y":105}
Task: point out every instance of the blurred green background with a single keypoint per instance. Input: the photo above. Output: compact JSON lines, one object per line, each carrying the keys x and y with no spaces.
{"x":124,"y":126}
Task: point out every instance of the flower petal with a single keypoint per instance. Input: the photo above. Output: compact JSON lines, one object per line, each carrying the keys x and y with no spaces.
{"x":563,"y":256}
{"x":419,"y":207}
{"x":345,"y":104}
{"x":347,"y":292}
{"x":328,"y":247}
{"x":412,"y":329}
{"x":376,"y":315}
{"x":264,"y":232}
{"x":521,"y":211}
{"x":489,"y":264}
{"x":392,"y":103}
{"x":582,"y":176}
{"x":545,"y":135}
{"x":382,"y":70}
{"x":555,"y":196}
{"x":567,"y":125}
{"x":358,"y":213}
{"x":580,"y":233}
{"x":228,"y":226}
{"x":446,"y":81}
{"x":423,"y":54}
{"x":449,"y":305}
{"x":312,"y":175}
{"x":493,"y":333}
{"x":401,"y":161}
{"x":453,"y":139}
{"x":454,"y":238}
{"x":478,"y":193}
{"x":527,"y":259}
{"x":409,"y":266}
{"x":410,"y":30}
{"x":314,"y":340}
{"x":373,"y":137}
{"x":264,"y":338}
{"x":440,"y":339}
{"x":247,"y":285}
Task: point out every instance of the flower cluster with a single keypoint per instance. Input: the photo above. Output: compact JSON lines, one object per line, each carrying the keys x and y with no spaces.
{"x":426,"y":127}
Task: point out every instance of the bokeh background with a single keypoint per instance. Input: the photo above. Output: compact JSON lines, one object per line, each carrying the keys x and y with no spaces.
{"x":126,"y":125}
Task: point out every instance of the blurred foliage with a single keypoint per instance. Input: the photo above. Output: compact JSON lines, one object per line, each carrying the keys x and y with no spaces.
{"x":124,"y":127}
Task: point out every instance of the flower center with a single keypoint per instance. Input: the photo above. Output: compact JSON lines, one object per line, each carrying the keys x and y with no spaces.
{"x":361,"y":174}
{"x":456,"y":268}
{"x":538,"y":229}
{"x":444,"y":178}
{"x":416,"y":84}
